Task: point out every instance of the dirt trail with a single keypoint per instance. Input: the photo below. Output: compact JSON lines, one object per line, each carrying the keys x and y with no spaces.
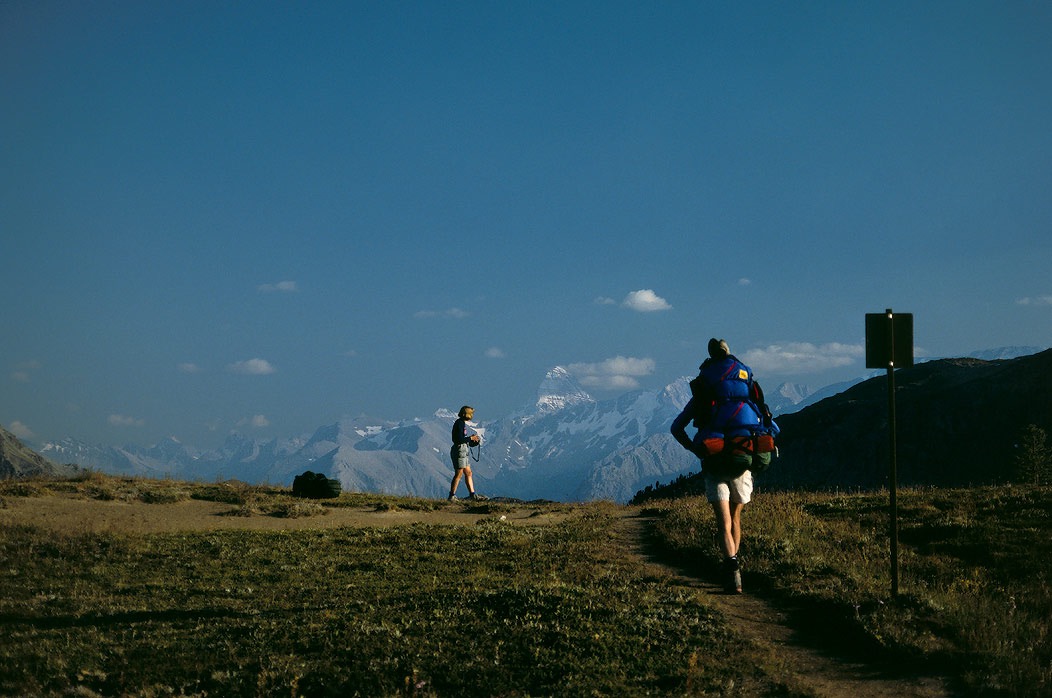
{"x":794,"y":662}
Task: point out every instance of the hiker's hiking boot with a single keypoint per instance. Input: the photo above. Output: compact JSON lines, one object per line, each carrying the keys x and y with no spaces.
{"x":452,"y":498}
{"x":476,"y":497}
{"x":733,"y":575}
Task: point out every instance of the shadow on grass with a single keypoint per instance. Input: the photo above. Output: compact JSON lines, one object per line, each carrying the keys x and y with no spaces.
{"x":832,"y":630}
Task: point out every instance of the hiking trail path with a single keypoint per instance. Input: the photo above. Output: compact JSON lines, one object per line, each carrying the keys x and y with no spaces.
{"x":798,"y":663}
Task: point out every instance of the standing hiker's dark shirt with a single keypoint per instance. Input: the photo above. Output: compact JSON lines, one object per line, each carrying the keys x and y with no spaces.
{"x":460,"y":432}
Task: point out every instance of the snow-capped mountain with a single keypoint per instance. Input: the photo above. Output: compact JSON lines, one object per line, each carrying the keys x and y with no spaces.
{"x":560,"y":390}
{"x":566,"y":446}
{"x":786,"y":397}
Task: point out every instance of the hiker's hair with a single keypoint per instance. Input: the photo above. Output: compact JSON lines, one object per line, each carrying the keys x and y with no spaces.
{"x":718,"y":348}
{"x":463,"y":411}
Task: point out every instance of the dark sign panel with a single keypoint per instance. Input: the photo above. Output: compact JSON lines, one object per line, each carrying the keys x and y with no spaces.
{"x":889,"y":340}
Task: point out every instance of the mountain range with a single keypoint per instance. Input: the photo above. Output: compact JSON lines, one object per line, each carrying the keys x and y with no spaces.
{"x":564,"y":446}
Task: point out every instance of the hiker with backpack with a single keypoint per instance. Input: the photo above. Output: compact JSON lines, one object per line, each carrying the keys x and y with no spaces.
{"x":732,"y":421}
{"x":459,"y":453}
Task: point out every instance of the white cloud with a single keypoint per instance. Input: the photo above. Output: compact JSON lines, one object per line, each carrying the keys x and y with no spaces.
{"x":610,"y":382}
{"x":494,"y":353}
{"x":603,"y":300}
{"x":451,"y":313}
{"x":801,"y":357}
{"x":189,"y":368}
{"x":282,"y":286}
{"x":1036,"y":300}
{"x":120,"y":420}
{"x":744,"y":281}
{"x":618,"y":373}
{"x":259,"y":421}
{"x":645,"y":301}
{"x":252,"y":367}
{"x":23,"y":372}
{"x":20,"y":430}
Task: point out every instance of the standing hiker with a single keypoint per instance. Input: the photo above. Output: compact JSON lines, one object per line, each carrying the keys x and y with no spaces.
{"x":726,"y":403}
{"x":459,"y":454}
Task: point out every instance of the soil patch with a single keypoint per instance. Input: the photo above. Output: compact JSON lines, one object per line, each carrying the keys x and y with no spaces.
{"x":64,"y":514}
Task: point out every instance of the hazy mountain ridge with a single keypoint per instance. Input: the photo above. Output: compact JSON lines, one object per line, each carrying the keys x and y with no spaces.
{"x":551,"y":450}
{"x":564,"y":446}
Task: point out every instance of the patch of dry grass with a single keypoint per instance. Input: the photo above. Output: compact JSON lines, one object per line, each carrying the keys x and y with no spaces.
{"x":493,"y":609}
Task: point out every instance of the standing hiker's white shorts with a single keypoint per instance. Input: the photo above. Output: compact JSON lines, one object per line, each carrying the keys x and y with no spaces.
{"x":737,"y":490}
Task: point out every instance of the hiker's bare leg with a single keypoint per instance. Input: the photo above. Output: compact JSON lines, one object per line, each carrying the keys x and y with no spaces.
{"x":468,"y":480}
{"x":725,"y":526}
{"x":456,"y":481}
{"x":736,"y":525}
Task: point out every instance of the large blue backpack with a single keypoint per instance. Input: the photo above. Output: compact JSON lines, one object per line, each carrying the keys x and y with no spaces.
{"x":736,"y":432}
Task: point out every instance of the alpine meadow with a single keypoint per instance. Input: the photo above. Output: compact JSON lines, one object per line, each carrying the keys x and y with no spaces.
{"x":127,"y":586}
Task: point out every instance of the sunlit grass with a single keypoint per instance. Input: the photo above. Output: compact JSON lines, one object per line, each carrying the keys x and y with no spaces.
{"x":974,"y":565}
{"x":496,"y":608}
{"x":480,"y":609}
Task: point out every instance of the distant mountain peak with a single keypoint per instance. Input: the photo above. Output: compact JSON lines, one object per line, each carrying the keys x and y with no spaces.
{"x":1012,"y":352}
{"x":793,"y":392}
{"x":560,"y":390}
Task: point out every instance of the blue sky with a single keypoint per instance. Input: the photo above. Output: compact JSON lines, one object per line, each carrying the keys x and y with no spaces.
{"x":264,"y":216}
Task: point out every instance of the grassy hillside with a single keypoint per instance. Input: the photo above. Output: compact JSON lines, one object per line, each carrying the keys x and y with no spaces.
{"x":477,"y":605}
{"x":975,"y":575}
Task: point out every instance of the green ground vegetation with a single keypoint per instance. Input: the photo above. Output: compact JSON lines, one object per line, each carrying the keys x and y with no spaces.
{"x":493,"y":607}
{"x":488,"y":608}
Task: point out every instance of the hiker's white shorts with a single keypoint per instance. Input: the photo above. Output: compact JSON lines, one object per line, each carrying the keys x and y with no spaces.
{"x":737,"y":490}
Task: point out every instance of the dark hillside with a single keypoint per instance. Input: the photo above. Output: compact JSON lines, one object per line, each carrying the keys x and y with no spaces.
{"x":18,"y":460}
{"x":958,"y":421}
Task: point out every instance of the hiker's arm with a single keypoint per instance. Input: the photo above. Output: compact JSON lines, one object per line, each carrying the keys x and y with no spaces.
{"x":758,"y":400}
{"x":679,"y":426}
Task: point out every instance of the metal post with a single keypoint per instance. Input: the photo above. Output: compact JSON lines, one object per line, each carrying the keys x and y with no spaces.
{"x":894,"y":525}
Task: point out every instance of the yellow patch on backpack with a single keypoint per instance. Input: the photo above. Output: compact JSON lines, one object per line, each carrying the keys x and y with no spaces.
{"x":743,"y":374}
